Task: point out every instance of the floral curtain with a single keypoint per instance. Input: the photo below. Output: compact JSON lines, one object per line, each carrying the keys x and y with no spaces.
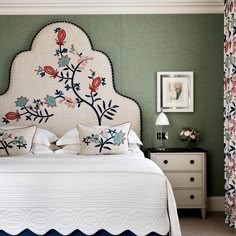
{"x":230,"y":110}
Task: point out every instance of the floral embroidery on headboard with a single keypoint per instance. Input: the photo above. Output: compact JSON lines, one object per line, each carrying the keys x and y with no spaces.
{"x":40,"y":109}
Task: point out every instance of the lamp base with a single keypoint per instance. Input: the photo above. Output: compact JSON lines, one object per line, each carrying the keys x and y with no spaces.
{"x":161,"y":148}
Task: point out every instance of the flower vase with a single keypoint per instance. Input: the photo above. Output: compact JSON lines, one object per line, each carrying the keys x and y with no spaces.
{"x":189,"y":145}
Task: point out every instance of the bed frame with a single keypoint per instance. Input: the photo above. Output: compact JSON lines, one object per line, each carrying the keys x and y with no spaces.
{"x":60,"y":82}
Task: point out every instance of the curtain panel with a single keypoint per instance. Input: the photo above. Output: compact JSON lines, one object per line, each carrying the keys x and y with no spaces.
{"x":230,"y":110}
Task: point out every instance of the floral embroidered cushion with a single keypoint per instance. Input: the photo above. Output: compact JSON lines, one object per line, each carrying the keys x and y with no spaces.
{"x":16,"y":141}
{"x":95,"y":140}
{"x":42,"y":136}
{"x":72,"y":137}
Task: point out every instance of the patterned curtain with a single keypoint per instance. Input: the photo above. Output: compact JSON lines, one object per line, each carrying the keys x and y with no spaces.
{"x":230,"y":110}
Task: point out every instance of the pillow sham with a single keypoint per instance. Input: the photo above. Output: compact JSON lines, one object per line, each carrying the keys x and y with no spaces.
{"x":133,"y":138}
{"x":95,"y":140}
{"x":42,"y":136}
{"x":17,"y":141}
{"x":72,"y":137}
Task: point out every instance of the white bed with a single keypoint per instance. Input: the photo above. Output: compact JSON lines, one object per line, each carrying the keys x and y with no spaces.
{"x":63,"y":191}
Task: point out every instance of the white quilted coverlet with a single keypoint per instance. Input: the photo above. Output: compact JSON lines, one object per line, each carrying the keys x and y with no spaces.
{"x":66,"y":192}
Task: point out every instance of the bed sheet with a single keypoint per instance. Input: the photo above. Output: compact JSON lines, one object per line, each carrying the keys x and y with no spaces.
{"x":67,"y":192}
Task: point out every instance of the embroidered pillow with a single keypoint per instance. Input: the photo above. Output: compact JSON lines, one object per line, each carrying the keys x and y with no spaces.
{"x":16,"y":141}
{"x":42,"y":136}
{"x":72,"y":137}
{"x":95,"y":140}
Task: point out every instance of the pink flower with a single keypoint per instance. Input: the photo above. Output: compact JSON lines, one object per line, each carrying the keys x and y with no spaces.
{"x":69,"y":102}
{"x":187,"y":133}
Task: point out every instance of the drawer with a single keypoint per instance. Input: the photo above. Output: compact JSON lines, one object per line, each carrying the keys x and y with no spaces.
{"x":185,"y":180}
{"x":176,"y":161}
{"x":188,"y":198}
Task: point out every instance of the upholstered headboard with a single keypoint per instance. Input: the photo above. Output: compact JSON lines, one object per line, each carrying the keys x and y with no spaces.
{"x":62,"y":81}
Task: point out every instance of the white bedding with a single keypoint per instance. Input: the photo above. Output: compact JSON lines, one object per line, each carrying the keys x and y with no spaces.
{"x":68,"y":192}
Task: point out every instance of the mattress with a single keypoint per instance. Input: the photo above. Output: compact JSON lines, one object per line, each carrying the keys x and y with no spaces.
{"x":68,"y":192}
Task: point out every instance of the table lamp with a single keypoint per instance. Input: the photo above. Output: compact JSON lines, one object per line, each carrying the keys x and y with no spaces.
{"x":160,"y":121}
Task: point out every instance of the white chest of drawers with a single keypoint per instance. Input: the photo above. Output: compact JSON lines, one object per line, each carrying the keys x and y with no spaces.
{"x":186,"y":171}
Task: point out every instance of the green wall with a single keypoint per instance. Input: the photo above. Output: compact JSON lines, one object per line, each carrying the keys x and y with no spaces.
{"x":139,"y":46}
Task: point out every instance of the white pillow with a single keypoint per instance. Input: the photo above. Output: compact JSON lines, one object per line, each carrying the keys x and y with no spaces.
{"x":135,"y":148}
{"x":103,"y":140}
{"x":133,"y":138}
{"x":69,"y":149}
{"x":41,"y":149}
{"x":14,"y":142}
{"x":42,"y":136}
{"x":72,"y":137}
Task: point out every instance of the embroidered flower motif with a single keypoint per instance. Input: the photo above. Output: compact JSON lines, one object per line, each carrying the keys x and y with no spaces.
{"x":21,"y":102}
{"x":74,"y":51}
{"x":86,"y":140}
{"x":37,"y":103}
{"x":119,"y":138}
{"x":95,"y":84}
{"x":63,"y":61}
{"x":69,"y":102}
{"x":61,"y":37}
{"x":83,"y":60}
{"x":66,"y":72}
{"x":13,"y":115}
{"x":49,"y":70}
{"x":104,"y":133}
{"x":40,"y":71}
{"x":50,"y":101}
{"x":94,"y":138}
{"x":5,"y":136}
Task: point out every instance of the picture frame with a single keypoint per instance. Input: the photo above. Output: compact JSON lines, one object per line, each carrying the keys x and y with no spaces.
{"x":175,"y":91}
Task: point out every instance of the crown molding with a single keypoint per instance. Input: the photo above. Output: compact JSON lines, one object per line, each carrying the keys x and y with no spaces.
{"x":82,"y":7}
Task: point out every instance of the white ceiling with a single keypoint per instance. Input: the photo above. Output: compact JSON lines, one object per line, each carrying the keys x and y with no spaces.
{"x":72,"y":7}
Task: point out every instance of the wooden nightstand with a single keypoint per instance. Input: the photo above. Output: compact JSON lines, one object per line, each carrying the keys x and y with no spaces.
{"x":186,"y":171}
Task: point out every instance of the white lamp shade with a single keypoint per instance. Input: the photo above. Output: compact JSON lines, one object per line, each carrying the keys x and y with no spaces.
{"x":162,"y":119}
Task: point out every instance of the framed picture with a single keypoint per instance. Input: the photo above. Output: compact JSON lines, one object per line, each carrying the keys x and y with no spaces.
{"x":175,"y":92}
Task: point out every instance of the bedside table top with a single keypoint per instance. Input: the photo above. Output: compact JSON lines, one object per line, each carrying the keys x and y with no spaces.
{"x":176,"y":150}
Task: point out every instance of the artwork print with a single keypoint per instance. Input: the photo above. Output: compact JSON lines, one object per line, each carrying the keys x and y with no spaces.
{"x":175,"y":91}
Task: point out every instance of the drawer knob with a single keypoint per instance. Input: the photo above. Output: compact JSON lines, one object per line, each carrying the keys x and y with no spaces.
{"x":192,"y":197}
{"x":192,"y":179}
{"x":165,"y":161}
{"x":191,"y":161}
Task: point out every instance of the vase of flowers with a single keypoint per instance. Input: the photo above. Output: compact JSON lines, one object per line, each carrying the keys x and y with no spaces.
{"x":189,"y":136}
